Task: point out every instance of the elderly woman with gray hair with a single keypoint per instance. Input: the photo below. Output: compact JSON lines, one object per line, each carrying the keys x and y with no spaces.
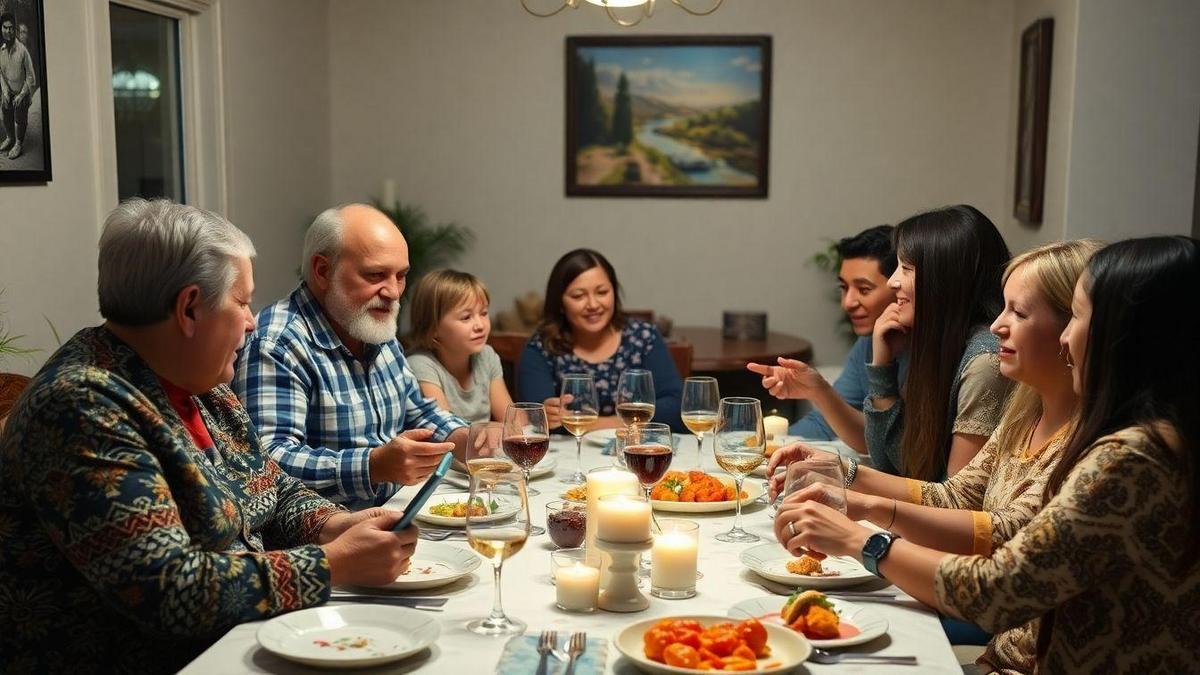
{"x":139,"y":516}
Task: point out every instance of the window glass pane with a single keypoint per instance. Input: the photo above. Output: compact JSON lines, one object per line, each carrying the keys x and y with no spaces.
{"x":145,"y":58}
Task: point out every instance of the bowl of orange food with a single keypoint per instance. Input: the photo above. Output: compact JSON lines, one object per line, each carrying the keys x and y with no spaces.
{"x":700,"y":492}
{"x":689,"y":644}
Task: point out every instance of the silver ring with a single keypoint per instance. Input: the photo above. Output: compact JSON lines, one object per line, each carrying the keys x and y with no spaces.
{"x":792,"y":527}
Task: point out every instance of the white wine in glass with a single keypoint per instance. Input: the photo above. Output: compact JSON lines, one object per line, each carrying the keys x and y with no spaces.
{"x":635,"y":396}
{"x":484,"y":448}
{"x":498,"y":540}
{"x":580,"y":413}
{"x":739,"y":446}
{"x":699,"y":403}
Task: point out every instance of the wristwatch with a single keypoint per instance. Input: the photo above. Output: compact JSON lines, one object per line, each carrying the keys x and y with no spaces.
{"x":876,"y":549}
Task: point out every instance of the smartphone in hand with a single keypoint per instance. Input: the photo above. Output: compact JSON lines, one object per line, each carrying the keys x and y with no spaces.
{"x":426,"y":491}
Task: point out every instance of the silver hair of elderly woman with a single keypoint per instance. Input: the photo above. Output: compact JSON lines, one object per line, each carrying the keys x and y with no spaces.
{"x":150,"y":250}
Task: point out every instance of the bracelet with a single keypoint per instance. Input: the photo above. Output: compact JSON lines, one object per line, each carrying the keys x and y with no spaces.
{"x":851,"y":471}
{"x":893,"y":520}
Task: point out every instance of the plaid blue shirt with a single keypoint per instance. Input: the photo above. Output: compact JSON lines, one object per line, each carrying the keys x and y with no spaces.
{"x":319,"y":410}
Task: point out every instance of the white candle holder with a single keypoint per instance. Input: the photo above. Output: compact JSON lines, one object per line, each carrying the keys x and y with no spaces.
{"x":674,"y":559}
{"x":619,"y":590}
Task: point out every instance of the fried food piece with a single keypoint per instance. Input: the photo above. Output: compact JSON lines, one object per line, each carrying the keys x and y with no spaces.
{"x":682,"y":656}
{"x":822,"y":623}
{"x":806,"y":565}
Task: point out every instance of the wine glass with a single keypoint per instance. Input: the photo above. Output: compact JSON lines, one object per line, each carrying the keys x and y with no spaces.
{"x":635,"y":396}
{"x":827,"y":470}
{"x":484,"y":446}
{"x":700,"y":397}
{"x":648,"y":451}
{"x":579,"y":414}
{"x":739,"y":443}
{"x":620,"y":436}
{"x":498,"y":540}
{"x":526,"y":436}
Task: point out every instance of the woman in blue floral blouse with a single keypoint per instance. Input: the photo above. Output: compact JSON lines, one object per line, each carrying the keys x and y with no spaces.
{"x":140,"y":518}
{"x":584,"y":331}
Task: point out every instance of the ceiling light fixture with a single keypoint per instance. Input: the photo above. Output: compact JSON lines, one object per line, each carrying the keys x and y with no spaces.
{"x":647,"y":9}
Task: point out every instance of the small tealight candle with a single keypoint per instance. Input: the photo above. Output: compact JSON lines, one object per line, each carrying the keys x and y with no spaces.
{"x":576,"y":579}
{"x":673,"y":559}
{"x":623,"y":519}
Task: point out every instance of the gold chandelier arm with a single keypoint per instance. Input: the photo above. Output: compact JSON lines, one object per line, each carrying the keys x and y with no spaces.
{"x":622,"y":22}
{"x":566,"y":3}
{"x":679,"y":3}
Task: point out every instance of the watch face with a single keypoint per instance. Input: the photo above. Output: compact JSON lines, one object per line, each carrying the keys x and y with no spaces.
{"x":877,"y":544}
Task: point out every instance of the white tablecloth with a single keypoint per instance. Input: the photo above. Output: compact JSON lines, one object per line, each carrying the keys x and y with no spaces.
{"x":529,"y":596}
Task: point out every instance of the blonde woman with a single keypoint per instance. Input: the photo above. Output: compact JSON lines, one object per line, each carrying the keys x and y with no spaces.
{"x":1000,"y":490}
{"x":452,"y":360}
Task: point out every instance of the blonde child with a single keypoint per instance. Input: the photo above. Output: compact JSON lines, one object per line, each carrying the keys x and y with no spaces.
{"x":451,"y":358}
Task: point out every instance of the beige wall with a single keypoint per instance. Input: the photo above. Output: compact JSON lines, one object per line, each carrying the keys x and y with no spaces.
{"x":880,"y":109}
{"x":276,"y":122}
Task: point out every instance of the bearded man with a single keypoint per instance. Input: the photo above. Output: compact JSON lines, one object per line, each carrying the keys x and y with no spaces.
{"x":324,"y":378}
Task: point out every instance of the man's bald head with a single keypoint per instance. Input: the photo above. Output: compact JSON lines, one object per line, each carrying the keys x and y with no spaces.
{"x":355,"y":225}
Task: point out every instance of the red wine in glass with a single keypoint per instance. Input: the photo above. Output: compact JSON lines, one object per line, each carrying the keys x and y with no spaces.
{"x":526,"y":451}
{"x":649,"y":462}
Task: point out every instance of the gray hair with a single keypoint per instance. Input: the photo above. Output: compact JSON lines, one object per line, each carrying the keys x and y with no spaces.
{"x":151,"y":250}
{"x":324,"y":238}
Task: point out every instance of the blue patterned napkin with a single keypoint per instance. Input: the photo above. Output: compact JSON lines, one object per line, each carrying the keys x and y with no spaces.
{"x":521,"y":656}
{"x":608,"y":447}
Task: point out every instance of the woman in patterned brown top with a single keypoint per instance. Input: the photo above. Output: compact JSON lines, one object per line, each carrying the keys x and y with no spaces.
{"x":140,"y":518}
{"x":1109,"y":564}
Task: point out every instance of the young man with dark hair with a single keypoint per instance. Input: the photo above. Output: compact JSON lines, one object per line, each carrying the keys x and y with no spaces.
{"x":17,"y":82}
{"x":865,"y":261}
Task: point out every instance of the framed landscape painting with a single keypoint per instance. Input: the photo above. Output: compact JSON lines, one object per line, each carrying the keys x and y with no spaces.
{"x":668,"y":116}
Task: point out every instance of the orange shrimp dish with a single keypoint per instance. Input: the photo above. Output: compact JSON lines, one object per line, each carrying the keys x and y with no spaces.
{"x":723,"y":646}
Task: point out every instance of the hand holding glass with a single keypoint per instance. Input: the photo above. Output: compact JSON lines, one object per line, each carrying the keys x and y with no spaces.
{"x":580,"y":413}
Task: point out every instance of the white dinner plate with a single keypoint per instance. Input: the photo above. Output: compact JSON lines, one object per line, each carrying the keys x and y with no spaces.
{"x":505,"y":508}
{"x":867,"y":622}
{"x":770,"y":561}
{"x":600,"y":437}
{"x":753,"y":490}
{"x":789,"y":649}
{"x":348,"y":636}
{"x":435,"y":565}
{"x":542,"y":468}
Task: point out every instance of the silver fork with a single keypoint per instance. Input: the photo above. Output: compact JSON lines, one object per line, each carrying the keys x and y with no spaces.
{"x":822,"y":656}
{"x":576,"y":648}
{"x":546,"y":644}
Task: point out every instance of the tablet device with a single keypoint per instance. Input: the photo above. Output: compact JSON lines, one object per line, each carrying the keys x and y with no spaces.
{"x":426,"y":491}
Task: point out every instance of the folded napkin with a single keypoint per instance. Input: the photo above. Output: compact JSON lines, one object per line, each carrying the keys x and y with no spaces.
{"x":608,"y":447}
{"x":521,"y":656}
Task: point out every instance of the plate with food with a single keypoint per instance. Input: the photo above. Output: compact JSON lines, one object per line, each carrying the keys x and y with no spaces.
{"x":601,"y":437}
{"x":826,"y":622}
{"x":773,"y":562}
{"x":577,"y":493}
{"x":434,"y":565}
{"x":700,"y":492}
{"x":348,"y":636}
{"x":689,"y":644}
{"x":450,"y":509}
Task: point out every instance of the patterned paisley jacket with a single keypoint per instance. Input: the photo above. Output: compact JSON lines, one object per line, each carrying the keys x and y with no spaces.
{"x":122,"y":546}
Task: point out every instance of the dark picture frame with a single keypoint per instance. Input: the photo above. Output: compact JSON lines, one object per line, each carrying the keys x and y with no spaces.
{"x":1033,"y":114}
{"x":668,"y":116}
{"x":32,"y":124}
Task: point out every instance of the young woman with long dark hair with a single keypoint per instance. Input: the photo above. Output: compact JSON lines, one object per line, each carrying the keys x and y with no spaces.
{"x":1110,"y":563}
{"x":947,"y":293}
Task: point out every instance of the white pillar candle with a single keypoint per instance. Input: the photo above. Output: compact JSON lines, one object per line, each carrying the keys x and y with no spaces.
{"x":673,"y":560}
{"x":776,"y":428}
{"x":623,"y":519}
{"x":602,"y":483}
{"x":577,"y":587}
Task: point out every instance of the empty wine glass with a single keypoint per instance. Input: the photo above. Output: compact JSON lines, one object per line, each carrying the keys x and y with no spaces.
{"x":635,"y":396}
{"x":498,"y":539}
{"x":805,"y":472}
{"x":580,"y":413}
{"x":700,"y":398}
{"x":739,"y":445}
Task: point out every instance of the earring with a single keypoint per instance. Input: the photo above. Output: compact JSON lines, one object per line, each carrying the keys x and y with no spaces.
{"x":1065,"y":356}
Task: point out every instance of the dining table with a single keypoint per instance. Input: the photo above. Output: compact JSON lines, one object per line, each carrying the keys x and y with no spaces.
{"x":913,"y":629}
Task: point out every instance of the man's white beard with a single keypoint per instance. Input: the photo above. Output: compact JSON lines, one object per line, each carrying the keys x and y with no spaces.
{"x":358,"y":321}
